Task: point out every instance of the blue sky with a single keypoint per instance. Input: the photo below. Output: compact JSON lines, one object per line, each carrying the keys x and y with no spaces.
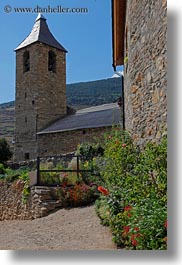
{"x":87,"y":37}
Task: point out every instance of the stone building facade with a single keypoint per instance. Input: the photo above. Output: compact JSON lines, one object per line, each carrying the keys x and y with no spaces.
{"x":142,"y":31}
{"x":45,"y":125}
{"x":86,"y":125}
{"x":66,"y":142}
{"x":40,"y":87}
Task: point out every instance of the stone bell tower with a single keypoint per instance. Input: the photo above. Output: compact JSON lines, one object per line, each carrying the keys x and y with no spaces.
{"x":40,"y":87}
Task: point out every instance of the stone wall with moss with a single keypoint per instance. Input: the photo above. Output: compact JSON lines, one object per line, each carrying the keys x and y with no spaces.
{"x":146,"y":69}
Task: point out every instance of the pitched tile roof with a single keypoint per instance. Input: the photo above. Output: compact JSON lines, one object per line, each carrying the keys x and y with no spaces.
{"x":41,"y":33}
{"x":95,"y":117}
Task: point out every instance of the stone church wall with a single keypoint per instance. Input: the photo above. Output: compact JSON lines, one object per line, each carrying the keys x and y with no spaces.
{"x":146,"y":69}
{"x":66,"y":142}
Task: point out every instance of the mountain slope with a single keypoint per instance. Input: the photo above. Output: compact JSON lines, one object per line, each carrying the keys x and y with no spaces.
{"x":79,"y":95}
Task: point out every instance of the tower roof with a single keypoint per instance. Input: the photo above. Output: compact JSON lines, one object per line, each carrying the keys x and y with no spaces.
{"x":41,"y":33}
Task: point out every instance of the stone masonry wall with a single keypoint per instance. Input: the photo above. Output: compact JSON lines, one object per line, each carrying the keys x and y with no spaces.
{"x":39,"y":203}
{"x":11,"y":206}
{"x":40,"y":96}
{"x":146,"y":69}
{"x":66,"y":142}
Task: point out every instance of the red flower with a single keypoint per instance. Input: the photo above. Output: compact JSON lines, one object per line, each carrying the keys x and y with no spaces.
{"x":129,"y":214}
{"x":117,"y":141}
{"x":123,"y":145}
{"x":166,"y":224}
{"x":103,"y":190}
{"x":127,"y":208}
{"x":134,"y":242}
{"x":133,"y":236}
{"x":136,"y":228}
{"x":126,"y":229}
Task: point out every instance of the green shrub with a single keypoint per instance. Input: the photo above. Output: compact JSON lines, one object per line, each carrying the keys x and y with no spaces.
{"x":5,"y":153}
{"x":2,"y":169}
{"x":93,"y":177}
{"x":90,"y":150}
{"x":120,"y":157}
{"x":24,"y":177}
{"x":12,"y":175}
{"x":20,"y":179}
{"x":137,"y":184}
{"x":103,"y":210}
{"x":77,"y":195}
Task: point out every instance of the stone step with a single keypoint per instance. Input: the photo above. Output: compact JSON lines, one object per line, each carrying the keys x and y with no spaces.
{"x":51,"y":204}
{"x":42,"y":191}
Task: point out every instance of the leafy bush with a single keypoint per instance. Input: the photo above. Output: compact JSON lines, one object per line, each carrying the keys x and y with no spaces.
{"x":2,"y":169}
{"x":77,"y":195}
{"x":137,"y":183}
{"x":103,"y":210}
{"x":19,"y":179}
{"x":5,"y":153}
{"x":89,"y":150}
{"x":93,"y":177}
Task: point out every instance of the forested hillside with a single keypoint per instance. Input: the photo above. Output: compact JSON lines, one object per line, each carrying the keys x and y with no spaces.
{"x":93,"y":93}
{"x":79,"y":95}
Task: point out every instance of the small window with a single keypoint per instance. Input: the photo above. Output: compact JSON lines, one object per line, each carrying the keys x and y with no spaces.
{"x":25,"y":119}
{"x":33,"y":102}
{"x":52,"y":62}
{"x":27,"y":156}
{"x":26,"y":61}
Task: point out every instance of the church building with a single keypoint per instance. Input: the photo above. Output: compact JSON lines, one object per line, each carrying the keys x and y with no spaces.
{"x":44,"y":123}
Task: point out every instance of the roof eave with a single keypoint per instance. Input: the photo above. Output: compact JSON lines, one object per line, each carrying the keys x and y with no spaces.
{"x":118,"y":31}
{"x":22,"y":47}
{"x":77,"y":129}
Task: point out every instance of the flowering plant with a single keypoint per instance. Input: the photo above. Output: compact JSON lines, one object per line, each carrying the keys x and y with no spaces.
{"x":137,"y":182}
{"x":103,"y":190}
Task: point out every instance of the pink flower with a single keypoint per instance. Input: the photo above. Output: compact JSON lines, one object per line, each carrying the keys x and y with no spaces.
{"x":166,"y":224}
{"x":123,"y":145}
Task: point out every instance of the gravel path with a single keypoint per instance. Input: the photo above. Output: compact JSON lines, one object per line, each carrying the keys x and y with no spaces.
{"x":77,"y":228}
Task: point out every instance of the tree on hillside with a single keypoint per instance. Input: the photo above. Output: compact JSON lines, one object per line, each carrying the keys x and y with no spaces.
{"x":5,"y":153}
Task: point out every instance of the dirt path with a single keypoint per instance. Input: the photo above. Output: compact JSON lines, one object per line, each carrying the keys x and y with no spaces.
{"x":77,"y":228}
